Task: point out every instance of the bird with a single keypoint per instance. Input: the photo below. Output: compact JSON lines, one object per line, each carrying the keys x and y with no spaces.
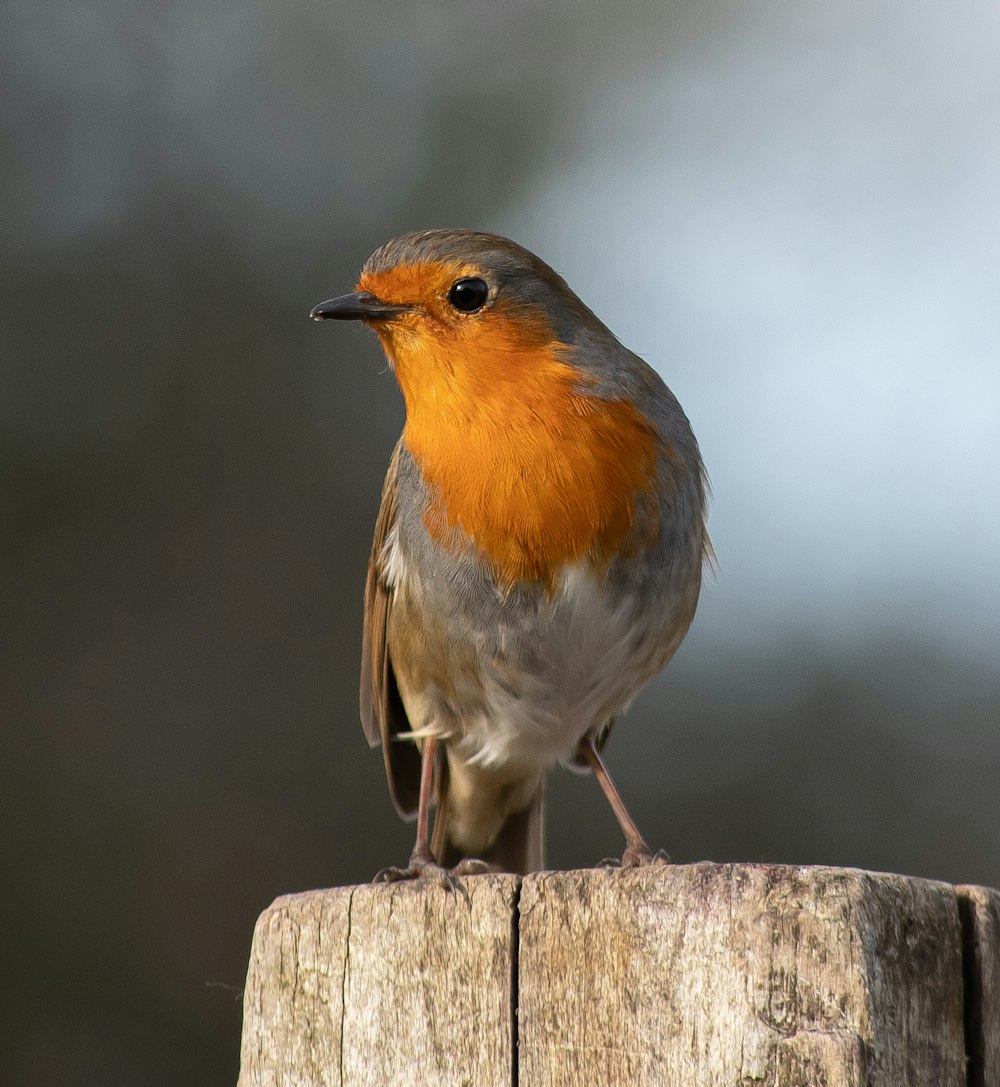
{"x":538,"y":552}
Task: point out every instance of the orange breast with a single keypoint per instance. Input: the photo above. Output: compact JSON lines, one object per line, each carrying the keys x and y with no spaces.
{"x":518,"y":457}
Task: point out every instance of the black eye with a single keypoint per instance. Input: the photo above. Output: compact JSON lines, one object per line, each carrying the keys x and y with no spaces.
{"x":468,"y":295}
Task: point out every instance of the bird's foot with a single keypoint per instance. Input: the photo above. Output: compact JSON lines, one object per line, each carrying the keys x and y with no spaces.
{"x":420,"y":867}
{"x":636,"y":857}
{"x":424,"y":867}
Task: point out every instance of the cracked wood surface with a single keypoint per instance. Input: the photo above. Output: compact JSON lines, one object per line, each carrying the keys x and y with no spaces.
{"x":381,"y":985}
{"x":695,"y":975}
{"x":980,"y":908}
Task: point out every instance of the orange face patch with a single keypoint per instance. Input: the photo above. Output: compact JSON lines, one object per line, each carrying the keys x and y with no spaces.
{"x":519,"y":457}
{"x":424,"y":286}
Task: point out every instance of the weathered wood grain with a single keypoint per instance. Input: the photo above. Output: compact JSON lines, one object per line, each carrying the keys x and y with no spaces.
{"x":739,"y":974}
{"x":383,"y":985}
{"x":980,"y":910}
{"x":688,"y":975}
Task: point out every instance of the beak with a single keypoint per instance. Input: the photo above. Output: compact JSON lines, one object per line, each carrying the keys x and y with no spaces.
{"x":360,"y":306}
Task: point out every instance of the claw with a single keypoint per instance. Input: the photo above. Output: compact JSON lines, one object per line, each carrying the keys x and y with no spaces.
{"x":428,"y":871}
{"x":634,"y":857}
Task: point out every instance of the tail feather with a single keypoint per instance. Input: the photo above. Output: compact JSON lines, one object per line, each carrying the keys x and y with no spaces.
{"x":518,"y":847}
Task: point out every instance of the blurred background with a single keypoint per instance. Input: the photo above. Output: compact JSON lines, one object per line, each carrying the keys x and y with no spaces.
{"x":791,"y":210}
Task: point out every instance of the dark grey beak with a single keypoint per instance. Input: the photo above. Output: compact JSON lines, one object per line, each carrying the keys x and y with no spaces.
{"x":360,"y":306}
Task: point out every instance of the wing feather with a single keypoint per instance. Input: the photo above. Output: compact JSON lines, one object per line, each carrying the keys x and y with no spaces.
{"x":383,"y":715}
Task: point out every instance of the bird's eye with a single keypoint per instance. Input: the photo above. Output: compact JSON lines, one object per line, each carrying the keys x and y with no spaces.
{"x":468,"y":295}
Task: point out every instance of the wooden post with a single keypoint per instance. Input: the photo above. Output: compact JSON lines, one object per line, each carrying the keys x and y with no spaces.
{"x":690,"y":975}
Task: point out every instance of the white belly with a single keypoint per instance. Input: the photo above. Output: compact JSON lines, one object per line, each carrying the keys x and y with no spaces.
{"x":546,"y":677}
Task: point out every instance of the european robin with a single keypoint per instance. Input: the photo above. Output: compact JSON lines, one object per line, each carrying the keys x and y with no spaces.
{"x":538,"y":551}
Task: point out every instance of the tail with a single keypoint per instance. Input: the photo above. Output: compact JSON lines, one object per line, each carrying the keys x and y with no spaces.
{"x":517,"y":847}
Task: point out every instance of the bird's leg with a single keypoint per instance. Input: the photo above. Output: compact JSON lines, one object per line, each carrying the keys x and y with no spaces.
{"x":422,"y":855}
{"x":423,"y":864}
{"x":637,"y":852}
{"x":421,"y":858}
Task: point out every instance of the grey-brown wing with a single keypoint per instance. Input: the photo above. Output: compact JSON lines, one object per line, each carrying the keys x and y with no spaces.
{"x":383,"y":715}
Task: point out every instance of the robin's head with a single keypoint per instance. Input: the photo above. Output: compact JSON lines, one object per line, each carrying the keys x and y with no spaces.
{"x":463,"y":306}
{"x":438,"y":281}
